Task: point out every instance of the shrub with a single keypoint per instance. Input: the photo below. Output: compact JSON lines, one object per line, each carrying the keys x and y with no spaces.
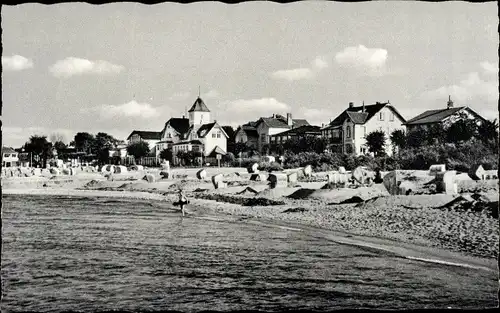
{"x":270,"y":166}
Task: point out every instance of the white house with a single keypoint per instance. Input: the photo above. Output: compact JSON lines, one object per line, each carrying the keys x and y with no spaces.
{"x":174,"y":131}
{"x":268,"y":126}
{"x":9,"y":157}
{"x":347,"y":132}
{"x":210,"y":134}
{"x":150,"y":137}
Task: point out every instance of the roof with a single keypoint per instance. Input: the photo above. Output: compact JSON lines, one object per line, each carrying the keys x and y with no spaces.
{"x":181,"y":125}
{"x":357,"y":116}
{"x":229,"y":131}
{"x":199,"y":106}
{"x":216,"y":151}
{"x":8,"y":150}
{"x":280,"y":122}
{"x":306,"y":129}
{"x":433,"y":116}
{"x":193,"y":142}
{"x":146,"y":135}
{"x":206,"y":128}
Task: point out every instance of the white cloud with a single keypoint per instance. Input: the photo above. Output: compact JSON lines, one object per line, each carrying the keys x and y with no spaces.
{"x":210,"y":94}
{"x":179,"y":96}
{"x":362,"y":57}
{"x":241,"y":111}
{"x":317,"y":116}
{"x":489,"y":68}
{"x":320,"y":63}
{"x":16,"y":63}
{"x":481,"y":93}
{"x":75,"y":66}
{"x":130,"y":109}
{"x":293,"y":74}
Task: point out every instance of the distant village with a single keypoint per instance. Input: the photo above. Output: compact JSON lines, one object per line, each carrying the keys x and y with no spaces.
{"x":209,"y":142}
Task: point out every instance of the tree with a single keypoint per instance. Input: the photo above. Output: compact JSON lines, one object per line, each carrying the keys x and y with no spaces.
{"x":167,"y":154}
{"x":239,"y":147}
{"x":436,"y":133}
{"x":461,"y":130}
{"x":398,"y":139}
{"x":487,"y":132}
{"x":138,"y":149}
{"x":84,"y":142}
{"x":101,"y":146}
{"x":376,"y":142}
{"x":39,"y":147}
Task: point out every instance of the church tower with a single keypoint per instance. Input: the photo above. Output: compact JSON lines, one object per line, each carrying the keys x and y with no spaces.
{"x":199,"y":114}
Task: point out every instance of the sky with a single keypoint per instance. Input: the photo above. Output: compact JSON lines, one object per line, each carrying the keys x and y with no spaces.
{"x":120,"y":67}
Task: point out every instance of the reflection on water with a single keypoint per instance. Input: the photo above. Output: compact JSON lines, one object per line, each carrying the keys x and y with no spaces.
{"x":68,"y":253}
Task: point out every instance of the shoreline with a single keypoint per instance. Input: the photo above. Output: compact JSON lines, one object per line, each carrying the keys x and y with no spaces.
{"x":202,"y":208}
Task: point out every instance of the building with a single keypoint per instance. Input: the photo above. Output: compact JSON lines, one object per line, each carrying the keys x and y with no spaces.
{"x":174,"y":131}
{"x":445,"y":117}
{"x":268,"y":126}
{"x":247,"y":133}
{"x":299,"y":132}
{"x":347,"y":132}
{"x":150,"y":137}
{"x":201,"y":129}
{"x":10,"y":157}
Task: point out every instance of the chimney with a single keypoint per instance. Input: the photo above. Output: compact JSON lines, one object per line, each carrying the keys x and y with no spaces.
{"x":363,"y":109}
{"x":322,"y":125}
{"x":450,"y":103}
{"x":351,"y":104}
{"x":215,"y":121}
{"x":289,"y":120}
{"x":274,"y":115}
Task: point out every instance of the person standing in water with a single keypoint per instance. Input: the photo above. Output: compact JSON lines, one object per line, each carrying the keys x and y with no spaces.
{"x":182,"y":201}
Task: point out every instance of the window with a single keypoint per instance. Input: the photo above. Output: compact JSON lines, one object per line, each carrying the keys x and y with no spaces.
{"x":6,"y":155}
{"x":213,"y":135}
{"x":391,"y":117}
{"x":381,"y":116}
{"x":169,"y":135}
{"x":348,"y":148}
{"x":218,"y":134}
{"x":348,"y":131}
{"x":364,"y":131}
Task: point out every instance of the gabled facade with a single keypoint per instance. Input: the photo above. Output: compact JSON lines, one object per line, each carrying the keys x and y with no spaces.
{"x":174,"y":131}
{"x":445,"y":117}
{"x":268,"y":126}
{"x":247,"y":134}
{"x":347,"y":132}
{"x":9,"y":157}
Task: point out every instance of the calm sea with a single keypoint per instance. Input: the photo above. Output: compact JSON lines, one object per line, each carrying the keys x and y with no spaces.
{"x":86,"y":254}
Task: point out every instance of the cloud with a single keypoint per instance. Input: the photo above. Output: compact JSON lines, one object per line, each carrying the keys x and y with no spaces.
{"x":293,"y":74}
{"x":479,"y":92}
{"x":75,"y":66}
{"x":320,"y":63}
{"x":362,"y":57}
{"x":489,"y":68}
{"x":241,"y":111}
{"x":210,"y":94}
{"x":130,"y":109}
{"x":16,"y":63}
{"x":180,"y":96}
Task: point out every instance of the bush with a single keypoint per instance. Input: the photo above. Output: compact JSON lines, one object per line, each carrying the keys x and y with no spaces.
{"x":270,"y":166}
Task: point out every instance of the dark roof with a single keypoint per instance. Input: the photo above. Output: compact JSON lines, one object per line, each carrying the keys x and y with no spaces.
{"x":146,"y":135}
{"x":216,"y":151}
{"x":280,"y":122}
{"x":302,"y":130}
{"x":251,"y":132}
{"x":204,"y":129}
{"x":199,"y":106}
{"x":229,"y":131}
{"x":433,"y":116}
{"x":181,"y":125}
{"x":357,"y":116}
{"x":8,"y":150}
{"x":193,"y":142}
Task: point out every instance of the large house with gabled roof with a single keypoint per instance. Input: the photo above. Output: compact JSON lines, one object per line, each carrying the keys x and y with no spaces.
{"x":175,"y":130}
{"x":203,"y":135}
{"x":347,"y":132}
{"x":445,"y":117}
{"x":150,"y":137}
{"x":265,"y":127}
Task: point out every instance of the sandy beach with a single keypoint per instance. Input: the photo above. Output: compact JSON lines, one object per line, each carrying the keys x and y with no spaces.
{"x":422,"y":225}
